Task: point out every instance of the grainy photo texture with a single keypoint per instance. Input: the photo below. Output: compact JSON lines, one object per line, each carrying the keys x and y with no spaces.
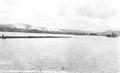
{"x":59,"y":36}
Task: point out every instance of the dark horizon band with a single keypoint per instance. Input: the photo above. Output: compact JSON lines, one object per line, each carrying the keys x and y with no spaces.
{"x":5,"y":36}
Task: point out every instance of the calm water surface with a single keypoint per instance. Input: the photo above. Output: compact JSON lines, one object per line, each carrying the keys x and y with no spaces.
{"x":86,"y":53}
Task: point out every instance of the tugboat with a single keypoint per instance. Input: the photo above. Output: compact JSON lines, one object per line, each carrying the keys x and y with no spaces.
{"x":113,"y":35}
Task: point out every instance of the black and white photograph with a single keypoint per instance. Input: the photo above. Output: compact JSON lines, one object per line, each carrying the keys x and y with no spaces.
{"x":59,"y":36}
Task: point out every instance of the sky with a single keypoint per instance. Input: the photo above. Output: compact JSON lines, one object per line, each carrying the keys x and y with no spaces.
{"x":94,"y":15}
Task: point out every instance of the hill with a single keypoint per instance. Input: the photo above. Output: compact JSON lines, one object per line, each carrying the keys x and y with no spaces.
{"x":27,"y":28}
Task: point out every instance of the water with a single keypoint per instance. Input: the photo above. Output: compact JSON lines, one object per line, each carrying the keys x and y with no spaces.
{"x":84,"y":53}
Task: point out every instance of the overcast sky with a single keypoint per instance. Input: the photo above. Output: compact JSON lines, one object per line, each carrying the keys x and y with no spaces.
{"x":95,"y":15}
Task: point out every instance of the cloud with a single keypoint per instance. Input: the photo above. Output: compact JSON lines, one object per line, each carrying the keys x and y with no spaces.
{"x":73,"y":14}
{"x":90,"y":15}
{"x":96,"y":12}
